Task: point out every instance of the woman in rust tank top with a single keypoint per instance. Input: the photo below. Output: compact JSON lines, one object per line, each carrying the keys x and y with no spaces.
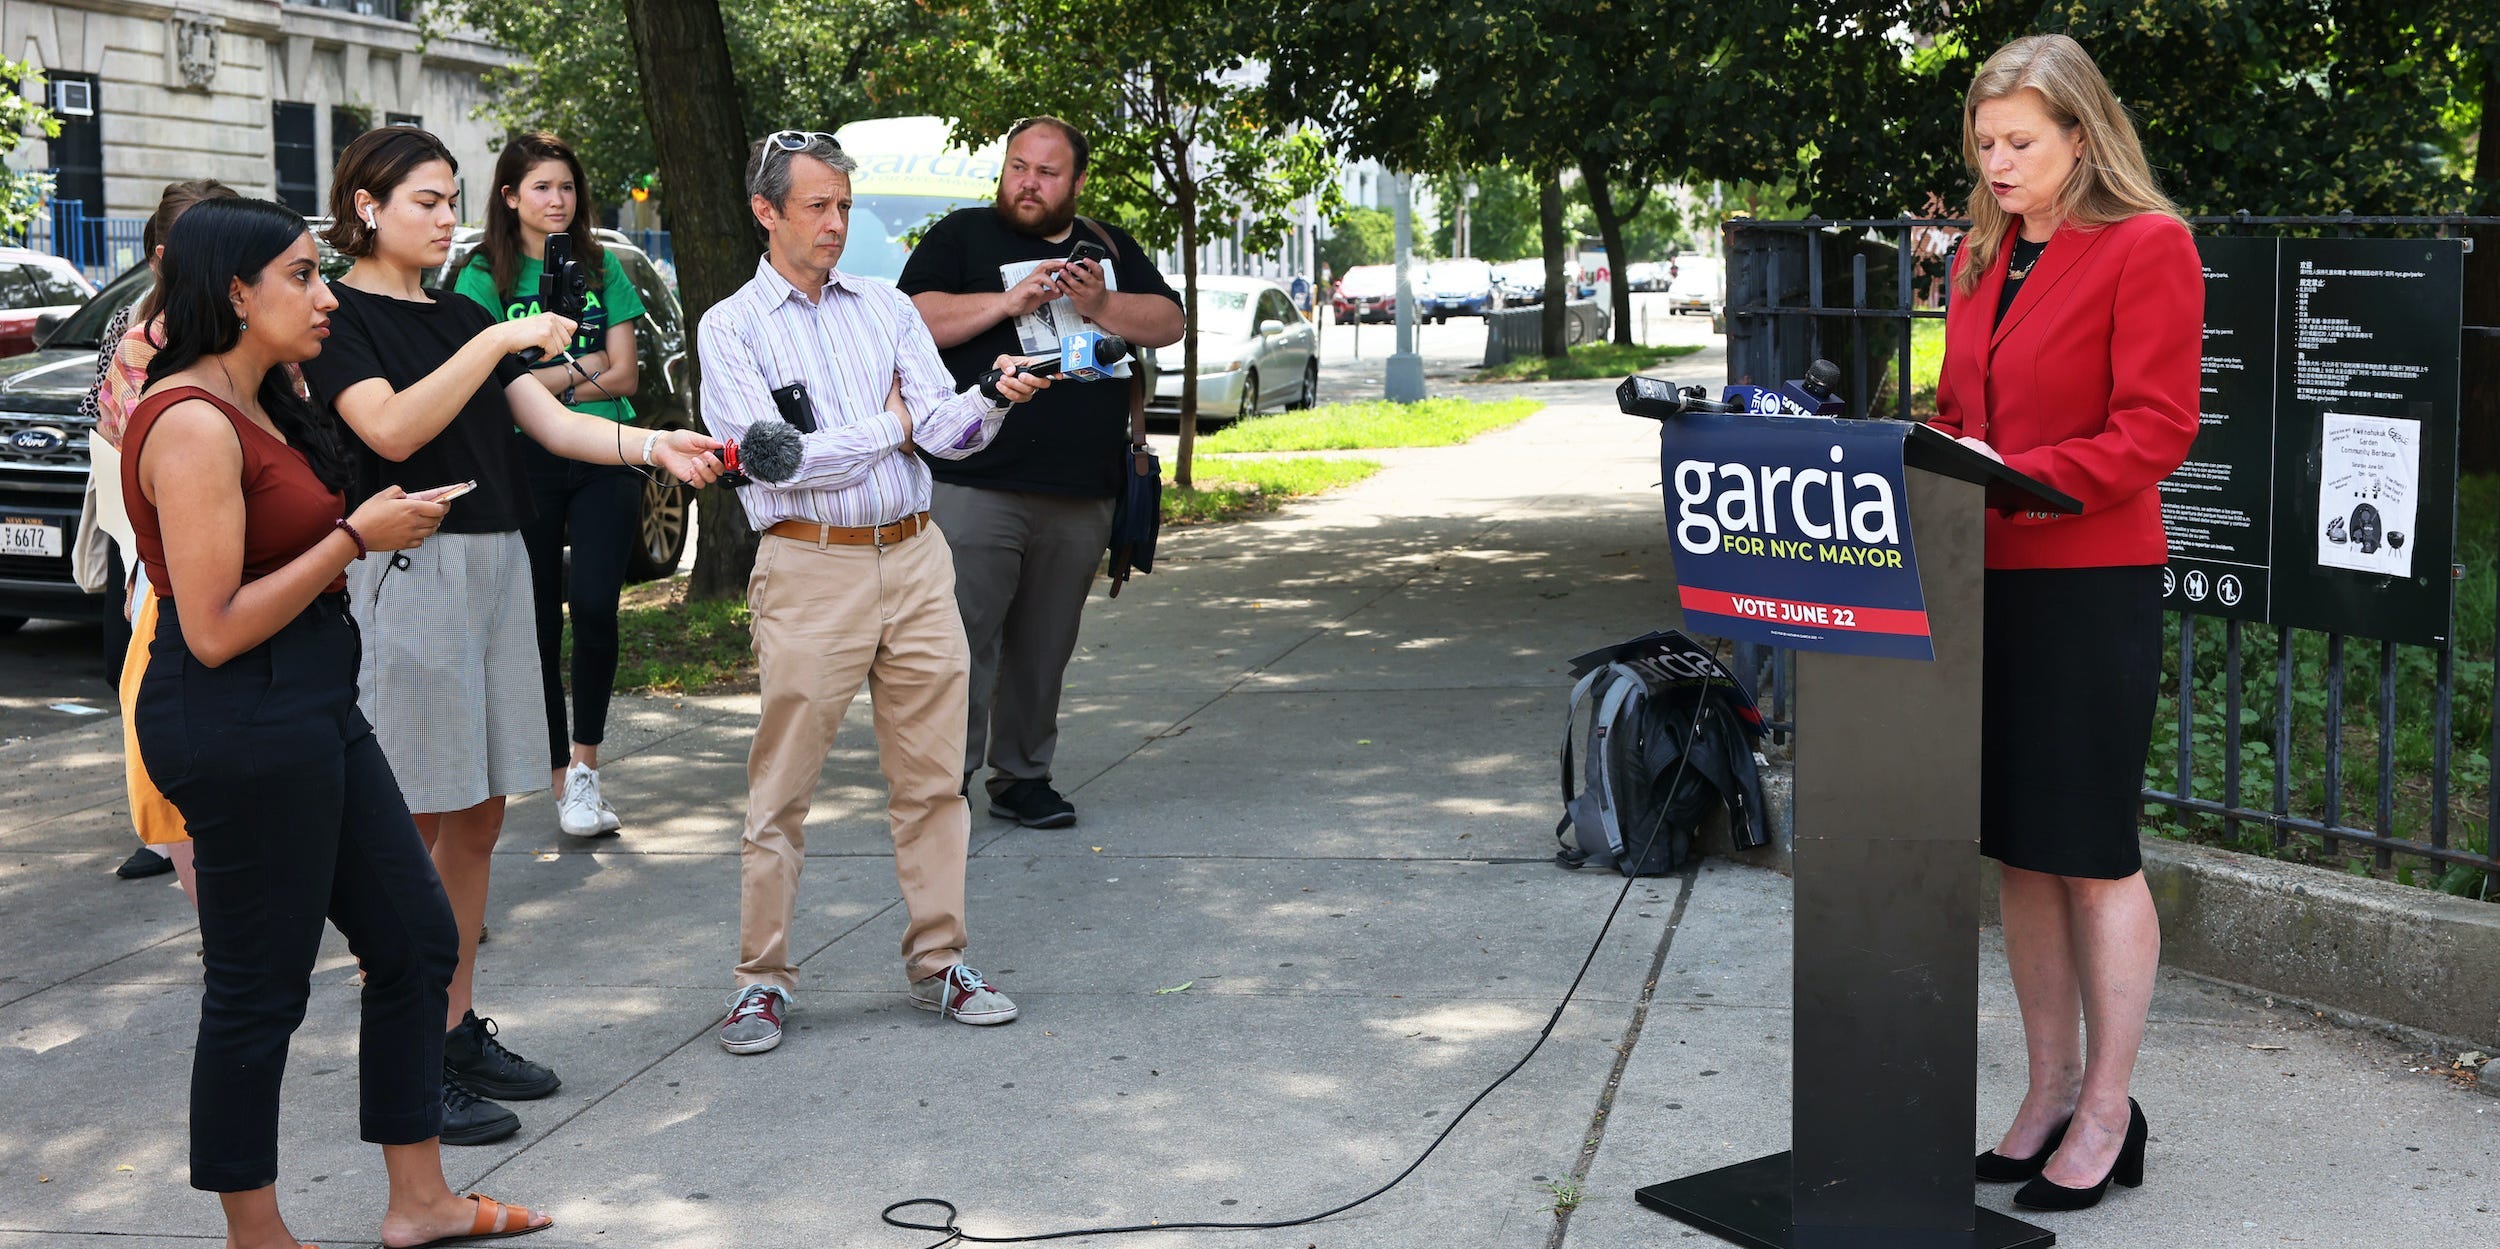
{"x":247,"y":719}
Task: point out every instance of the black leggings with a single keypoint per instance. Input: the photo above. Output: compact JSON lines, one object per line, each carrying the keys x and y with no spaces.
{"x":599,"y":506}
{"x":295,"y":818}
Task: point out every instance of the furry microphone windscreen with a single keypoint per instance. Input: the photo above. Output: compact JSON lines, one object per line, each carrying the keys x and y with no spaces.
{"x":771,"y":451}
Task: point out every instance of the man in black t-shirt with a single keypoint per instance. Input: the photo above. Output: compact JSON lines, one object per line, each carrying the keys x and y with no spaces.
{"x":1029,"y":517}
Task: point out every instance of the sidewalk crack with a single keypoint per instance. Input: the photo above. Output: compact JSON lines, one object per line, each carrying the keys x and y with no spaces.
{"x":1623,"y":1058}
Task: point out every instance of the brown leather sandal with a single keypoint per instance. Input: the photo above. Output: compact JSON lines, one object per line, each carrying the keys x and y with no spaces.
{"x":494,"y":1221}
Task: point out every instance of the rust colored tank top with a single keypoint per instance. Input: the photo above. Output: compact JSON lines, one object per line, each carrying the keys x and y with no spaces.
{"x":286,"y":509}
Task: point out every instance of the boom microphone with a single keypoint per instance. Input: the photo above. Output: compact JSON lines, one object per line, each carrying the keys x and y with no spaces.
{"x":771,"y":453}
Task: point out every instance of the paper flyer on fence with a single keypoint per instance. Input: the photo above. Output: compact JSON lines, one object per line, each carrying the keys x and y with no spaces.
{"x":2369,"y":480}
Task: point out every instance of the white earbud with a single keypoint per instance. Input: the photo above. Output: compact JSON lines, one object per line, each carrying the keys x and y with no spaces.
{"x":368,"y":218}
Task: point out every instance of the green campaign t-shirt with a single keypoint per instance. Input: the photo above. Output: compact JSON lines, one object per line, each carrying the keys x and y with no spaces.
{"x":612,"y":302}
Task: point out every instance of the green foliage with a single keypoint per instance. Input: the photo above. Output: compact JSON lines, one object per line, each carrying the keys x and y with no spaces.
{"x":1585,"y":361}
{"x":2309,"y":106}
{"x":798,"y":65}
{"x":22,"y":192}
{"x":1502,"y":221}
{"x":1364,"y":236}
{"x":1376,"y":423}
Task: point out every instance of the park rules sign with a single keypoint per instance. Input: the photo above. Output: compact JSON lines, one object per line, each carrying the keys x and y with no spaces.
{"x":1794,"y":532}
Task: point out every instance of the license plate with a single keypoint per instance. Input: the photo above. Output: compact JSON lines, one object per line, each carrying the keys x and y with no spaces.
{"x":30,"y":538}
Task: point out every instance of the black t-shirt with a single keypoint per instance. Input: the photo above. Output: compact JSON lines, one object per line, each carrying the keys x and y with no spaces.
{"x":401,"y":341}
{"x":1068,"y":439}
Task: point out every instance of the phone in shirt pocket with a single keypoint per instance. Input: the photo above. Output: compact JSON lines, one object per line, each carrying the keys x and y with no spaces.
{"x":791,"y":401}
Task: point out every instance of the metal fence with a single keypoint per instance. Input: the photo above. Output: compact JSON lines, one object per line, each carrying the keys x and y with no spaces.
{"x":1854,"y":291}
{"x":100,"y":247}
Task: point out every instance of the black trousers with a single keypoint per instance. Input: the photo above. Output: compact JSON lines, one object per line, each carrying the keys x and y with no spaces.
{"x":295,"y":819}
{"x":599,"y":507}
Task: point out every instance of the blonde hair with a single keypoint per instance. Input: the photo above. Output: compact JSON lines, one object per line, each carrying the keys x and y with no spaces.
{"x":2110,"y":182}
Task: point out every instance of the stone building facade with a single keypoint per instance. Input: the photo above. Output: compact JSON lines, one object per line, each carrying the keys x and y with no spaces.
{"x":260,"y":94}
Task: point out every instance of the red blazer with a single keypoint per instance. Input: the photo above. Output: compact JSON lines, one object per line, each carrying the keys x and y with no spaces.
{"x":2090,"y":384}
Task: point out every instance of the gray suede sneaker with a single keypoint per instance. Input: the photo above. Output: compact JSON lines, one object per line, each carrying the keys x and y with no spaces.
{"x":959,"y":993}
{"x":754,"y":1023}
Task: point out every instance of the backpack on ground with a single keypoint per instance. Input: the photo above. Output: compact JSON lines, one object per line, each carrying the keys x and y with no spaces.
{"x":1658,"y":734}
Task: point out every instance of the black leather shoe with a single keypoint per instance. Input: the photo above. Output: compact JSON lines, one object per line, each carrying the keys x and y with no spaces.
{"x":2127,"y":1169}
{"x":1033,"y":804}
{"x":1996,"y":1168}
{"x":143,"y":863}
{"x":473,"y":1057}
{"x":467,"y":1120}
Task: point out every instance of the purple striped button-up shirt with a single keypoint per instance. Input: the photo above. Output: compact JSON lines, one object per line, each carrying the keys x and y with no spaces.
{"x":847,"y":346}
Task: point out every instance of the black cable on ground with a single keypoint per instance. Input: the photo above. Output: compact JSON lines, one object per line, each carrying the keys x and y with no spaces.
{"x":952,"y":1232}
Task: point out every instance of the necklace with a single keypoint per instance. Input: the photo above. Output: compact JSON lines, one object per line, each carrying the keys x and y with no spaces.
{"x":2014,"y":274}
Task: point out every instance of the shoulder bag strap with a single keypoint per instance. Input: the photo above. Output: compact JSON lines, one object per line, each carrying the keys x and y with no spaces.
{"x":1136,"y":376}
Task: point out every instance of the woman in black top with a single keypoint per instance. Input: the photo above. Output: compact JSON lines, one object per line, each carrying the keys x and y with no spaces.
{"x":247,"y":716}
{"x":431,"y":388}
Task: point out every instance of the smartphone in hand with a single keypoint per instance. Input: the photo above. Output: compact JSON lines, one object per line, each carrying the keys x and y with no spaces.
{"x":1087,"y":249}
{"x":444,"y":494}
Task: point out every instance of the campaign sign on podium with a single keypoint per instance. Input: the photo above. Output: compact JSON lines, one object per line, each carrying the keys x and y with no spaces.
{"x":1794,"y":531}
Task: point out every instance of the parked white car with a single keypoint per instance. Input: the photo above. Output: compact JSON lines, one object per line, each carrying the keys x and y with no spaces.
{"x":1700,"y":285}
{"x":1256,"y":352}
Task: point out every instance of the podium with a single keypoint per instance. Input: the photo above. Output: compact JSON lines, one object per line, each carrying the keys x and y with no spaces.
{"x":1886,"y":879}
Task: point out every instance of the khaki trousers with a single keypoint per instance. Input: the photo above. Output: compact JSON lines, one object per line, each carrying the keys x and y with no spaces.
{"x":827,"y":618}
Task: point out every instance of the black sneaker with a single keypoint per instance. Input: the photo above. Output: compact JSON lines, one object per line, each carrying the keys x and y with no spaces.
{"x":1033,"y":804}
{"x":469,"y":1120}
{"x":473,"y":1057}
{"x":143,"y":863}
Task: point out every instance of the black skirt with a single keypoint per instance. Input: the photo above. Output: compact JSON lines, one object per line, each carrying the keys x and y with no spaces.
{"x":2073,"y":670}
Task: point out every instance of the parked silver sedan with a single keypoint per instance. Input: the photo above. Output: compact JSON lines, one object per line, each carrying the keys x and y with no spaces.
{"x":1256,"y":352}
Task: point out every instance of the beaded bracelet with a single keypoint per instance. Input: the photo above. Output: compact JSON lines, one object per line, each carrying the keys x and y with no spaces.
{"x":350,"y":530}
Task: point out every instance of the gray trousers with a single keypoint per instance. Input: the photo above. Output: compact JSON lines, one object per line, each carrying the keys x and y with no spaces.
{"x":1023,"y":564}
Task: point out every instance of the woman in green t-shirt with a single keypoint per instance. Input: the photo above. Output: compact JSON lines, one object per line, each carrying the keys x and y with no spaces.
{"x":540,"y":190}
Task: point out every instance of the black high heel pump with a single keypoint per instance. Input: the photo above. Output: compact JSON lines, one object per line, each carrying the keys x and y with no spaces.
{"x":2127,"y":1170}
{"x":1996,"y":1168}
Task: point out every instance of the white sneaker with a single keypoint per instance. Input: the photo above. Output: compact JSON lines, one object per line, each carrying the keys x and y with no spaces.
{"x":960,"y":994}
{"x":581,"y":811}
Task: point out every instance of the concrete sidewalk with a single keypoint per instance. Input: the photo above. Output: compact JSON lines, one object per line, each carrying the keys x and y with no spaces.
{"x":1313,"y":756}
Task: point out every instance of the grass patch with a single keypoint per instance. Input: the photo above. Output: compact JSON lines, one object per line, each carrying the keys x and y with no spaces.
{"x":666,"y":645}
{"x":1227,"y":489}
{"x":1585,"y":361}
{"x":1363,"y":426}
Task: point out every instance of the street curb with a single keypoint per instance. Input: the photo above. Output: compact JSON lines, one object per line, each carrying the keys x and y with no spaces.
{"x":2414,"y":964}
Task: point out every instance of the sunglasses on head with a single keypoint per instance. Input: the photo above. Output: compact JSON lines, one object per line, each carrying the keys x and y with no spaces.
{"x":799,"y":140}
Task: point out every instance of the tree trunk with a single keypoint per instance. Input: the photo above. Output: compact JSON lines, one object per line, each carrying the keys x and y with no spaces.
{"x":1610,"y":228}
{"x":1549,"y":211}
{"x":690,"y":97}
{"x":1185,"y":199}
{"x":2478,"y":436}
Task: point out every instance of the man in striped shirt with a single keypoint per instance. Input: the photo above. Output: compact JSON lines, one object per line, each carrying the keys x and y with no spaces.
{"x":850,"y":583}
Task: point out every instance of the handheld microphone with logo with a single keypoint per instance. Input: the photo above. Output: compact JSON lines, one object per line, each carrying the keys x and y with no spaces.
{"x":1660,"y":400}
{"x":771,"y":453}
{"x":1085,"y":357}
{"x":1818,"y":394}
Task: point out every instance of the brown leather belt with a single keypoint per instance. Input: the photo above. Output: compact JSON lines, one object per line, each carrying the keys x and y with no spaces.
{"x":850,"y":535}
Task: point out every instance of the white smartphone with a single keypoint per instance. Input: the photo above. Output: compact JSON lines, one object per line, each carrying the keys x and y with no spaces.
{"x":444,"y":494}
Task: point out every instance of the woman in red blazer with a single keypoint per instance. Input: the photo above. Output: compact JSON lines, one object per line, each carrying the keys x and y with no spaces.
{"x":2072,"y":354}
